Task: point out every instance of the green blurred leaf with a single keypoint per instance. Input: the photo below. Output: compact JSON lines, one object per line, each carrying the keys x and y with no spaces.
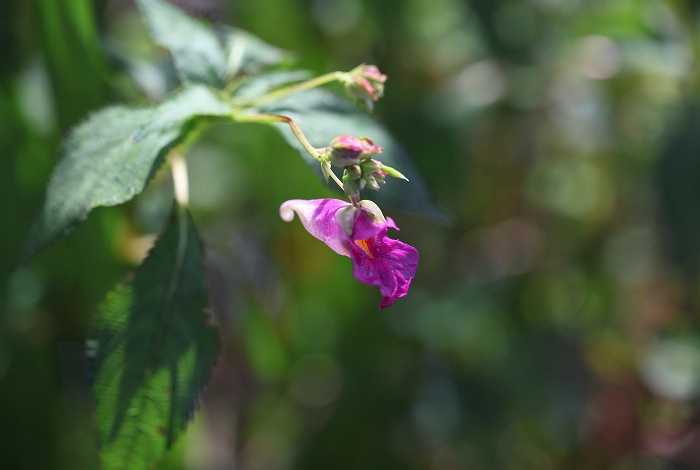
{"x":152,"y":351}
{"x":249,"y":54}
{"x":324,"y":115}
{"x":70,"y":45}
{"x":677,"y":172}
{"x":196,"y":50}
{"x":264,"y":347}
{"x":109,"y":158}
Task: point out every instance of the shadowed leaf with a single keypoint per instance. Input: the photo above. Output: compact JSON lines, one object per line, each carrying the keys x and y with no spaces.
{"x":152,"y":352}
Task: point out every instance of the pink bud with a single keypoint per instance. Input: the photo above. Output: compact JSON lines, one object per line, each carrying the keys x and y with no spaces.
{"x":346,"y":150}
{"x":366,"y":83}
{"x":369,"y":148}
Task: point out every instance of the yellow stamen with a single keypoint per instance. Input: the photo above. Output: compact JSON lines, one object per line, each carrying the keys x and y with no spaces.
{"x":363,"y":244}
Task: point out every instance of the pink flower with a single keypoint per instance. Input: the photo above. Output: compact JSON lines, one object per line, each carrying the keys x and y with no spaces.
{"x":360,"y":234}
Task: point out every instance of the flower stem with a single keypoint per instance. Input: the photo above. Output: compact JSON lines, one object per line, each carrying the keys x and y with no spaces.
{"x":178,"y":166}
{"x":296,"y":130}
{"x":297,"y":87}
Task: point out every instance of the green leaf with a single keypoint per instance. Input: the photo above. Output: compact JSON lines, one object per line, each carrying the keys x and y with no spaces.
{"x":249,"y":54}
{"x":152,"y":351}
{"x":323,"y":115}
{"x":196,"y":49}
{"x":109,"y":158}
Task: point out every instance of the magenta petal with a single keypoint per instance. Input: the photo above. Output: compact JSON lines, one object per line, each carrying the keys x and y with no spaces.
{"x":377,"y":260}
{"x":318,"y":218}
{"x":367,"y":226}
{"x":392,"y":267}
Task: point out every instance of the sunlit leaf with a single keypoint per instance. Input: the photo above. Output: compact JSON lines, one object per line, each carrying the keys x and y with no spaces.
{"x":323,"y":115}
{"x":109,"y":158}
{"x":196,"y":50}
{"x":152,"y":352}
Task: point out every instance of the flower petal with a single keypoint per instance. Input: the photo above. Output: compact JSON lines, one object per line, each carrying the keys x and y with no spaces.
{"x":318,"y":218}
{"x":369,"y":221}
{"x":391,"y":265}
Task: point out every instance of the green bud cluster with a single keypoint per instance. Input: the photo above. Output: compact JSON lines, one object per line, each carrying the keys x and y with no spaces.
{"x":360,"y":171}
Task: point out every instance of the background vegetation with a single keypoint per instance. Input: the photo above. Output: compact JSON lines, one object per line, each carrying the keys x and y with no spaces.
{"x":552,"y":324}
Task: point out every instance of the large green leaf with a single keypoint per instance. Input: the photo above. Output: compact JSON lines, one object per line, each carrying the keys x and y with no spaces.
{"x":109,"y":158}
{"x":196,"y":50}
{"x":152,"y":352}
{"x":323,"y":115}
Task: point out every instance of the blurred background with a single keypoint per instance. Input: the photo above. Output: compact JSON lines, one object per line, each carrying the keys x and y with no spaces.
{"x":553,"y":324}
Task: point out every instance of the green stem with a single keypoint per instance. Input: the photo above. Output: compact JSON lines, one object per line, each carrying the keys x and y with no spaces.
{"x":296,"y":130}
{"x":178,"y":167}
{"x":288,"y":90}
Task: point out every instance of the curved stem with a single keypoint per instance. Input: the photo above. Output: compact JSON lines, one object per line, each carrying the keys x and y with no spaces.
{"x":288,"y":90}
{"x":296,"y":130}
{"x":178,"y":166}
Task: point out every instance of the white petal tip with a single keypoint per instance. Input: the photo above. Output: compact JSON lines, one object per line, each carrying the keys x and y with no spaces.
{"x":287,"y":211}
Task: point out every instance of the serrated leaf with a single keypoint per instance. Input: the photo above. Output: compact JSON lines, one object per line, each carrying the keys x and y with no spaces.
{"x":323,"y":115}
{"x":109,"y":158}
{"x":248,"y":53}
{"x":197,"y":52}
{"x":152,"y":352}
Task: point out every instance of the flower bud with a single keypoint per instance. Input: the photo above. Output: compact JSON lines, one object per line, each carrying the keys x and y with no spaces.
{"x":369,"y":148}
{"x":352,"y":185}
{"x":365,"y":83}
{"x":346,"y":150}
{"x":371,"y":166}
{"x":372,"y":183}
{"x":373,"y":173}
{"x":355,"y":171}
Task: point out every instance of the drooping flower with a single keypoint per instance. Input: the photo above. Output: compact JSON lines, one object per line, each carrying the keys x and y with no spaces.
{"x":359,"y":233}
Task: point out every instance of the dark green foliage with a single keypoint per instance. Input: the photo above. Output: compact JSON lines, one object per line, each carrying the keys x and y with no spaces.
{"x":678,"y":170}
{"x":152,"y":351}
